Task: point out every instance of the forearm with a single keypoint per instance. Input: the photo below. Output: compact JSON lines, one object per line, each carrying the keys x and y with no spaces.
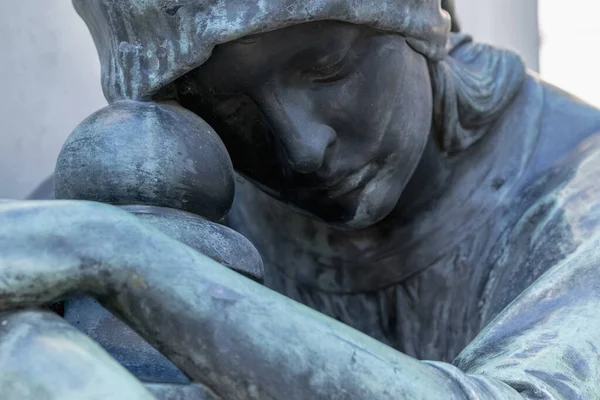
{"x":225,"y":331}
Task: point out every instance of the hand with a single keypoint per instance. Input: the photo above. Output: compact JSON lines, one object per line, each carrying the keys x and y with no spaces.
{"x":44,"y":357}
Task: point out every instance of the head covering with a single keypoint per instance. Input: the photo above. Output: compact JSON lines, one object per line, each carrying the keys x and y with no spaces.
{"x":146,"y":44}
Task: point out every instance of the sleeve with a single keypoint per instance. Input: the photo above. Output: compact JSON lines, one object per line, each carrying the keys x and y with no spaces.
{"x":545,"y":344}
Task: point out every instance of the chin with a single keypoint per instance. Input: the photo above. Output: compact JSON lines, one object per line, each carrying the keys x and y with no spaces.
{"x":362,"y":208}
{"x":375,"y":201}
{"x":373,"y":208}
{"x":359,"y":209}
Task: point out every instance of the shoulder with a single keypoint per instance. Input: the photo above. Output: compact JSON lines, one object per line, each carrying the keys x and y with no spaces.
{"x":572,"y":186}
{"x":553,"y":215}
{"x":565,"y":122}
{"x":579,"y":196}
{"x":562,"y":182}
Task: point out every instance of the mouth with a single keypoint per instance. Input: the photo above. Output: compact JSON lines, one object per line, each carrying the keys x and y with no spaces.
{"x":353,"y":181}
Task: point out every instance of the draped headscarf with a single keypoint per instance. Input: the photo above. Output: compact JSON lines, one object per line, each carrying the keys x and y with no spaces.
{"x":146,"y":44}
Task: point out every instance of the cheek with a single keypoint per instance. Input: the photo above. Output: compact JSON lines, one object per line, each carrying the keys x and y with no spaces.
{"x":386,"y":101}
{"x":410,"y":105}
{"x":359,"y":110}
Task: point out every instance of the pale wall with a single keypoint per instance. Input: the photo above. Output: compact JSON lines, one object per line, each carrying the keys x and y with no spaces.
{"x":569,"y":52}
{"x":49,"y":76}
{"x":508,"y":23}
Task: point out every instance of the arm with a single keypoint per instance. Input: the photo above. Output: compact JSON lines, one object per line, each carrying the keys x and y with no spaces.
{"x":225,"y":331}
{"x":232,"y":334}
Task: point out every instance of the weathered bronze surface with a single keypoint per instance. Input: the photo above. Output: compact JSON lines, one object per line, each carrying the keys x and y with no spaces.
{"x":433,"y":203}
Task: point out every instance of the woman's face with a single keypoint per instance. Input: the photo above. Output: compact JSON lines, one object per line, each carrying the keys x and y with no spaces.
{"x":329,"y":117}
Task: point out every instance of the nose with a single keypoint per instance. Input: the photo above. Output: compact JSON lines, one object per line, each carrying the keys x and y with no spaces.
{"x":298,"y":129}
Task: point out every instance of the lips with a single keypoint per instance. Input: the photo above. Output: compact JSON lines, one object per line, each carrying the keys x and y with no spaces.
{"x":353,"y":181}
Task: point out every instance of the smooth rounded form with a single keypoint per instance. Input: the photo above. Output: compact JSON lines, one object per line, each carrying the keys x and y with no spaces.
{"x":147,"y":153}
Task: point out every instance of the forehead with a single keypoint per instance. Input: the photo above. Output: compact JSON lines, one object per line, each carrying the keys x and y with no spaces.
{"x":281,"y":46}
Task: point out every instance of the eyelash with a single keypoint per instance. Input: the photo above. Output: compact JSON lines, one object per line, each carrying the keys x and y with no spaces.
{"x":330,"y":72}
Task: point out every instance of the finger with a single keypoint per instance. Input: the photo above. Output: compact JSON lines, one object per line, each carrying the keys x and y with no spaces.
{"x":43,"y":357}
{"x":49,"y":249}
{"x":216,"y":241}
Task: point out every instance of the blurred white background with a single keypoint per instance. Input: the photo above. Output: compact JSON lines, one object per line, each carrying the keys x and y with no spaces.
{"x":570,"y":49}
{"x":50,"y":81}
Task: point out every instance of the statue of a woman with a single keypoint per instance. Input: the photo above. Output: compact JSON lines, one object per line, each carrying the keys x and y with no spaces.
{"x":414,"y":185}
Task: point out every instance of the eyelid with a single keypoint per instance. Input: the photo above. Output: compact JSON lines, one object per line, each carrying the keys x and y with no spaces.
{"x":330,"y":60}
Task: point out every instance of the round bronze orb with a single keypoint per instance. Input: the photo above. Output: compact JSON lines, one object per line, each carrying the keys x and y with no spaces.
{"x":147,"y":153}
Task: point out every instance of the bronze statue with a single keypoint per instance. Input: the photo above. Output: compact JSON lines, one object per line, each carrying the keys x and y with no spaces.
{"x":414,"y":185}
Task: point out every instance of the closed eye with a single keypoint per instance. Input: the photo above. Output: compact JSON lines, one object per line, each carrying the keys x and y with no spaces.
{"x":329,"y":68}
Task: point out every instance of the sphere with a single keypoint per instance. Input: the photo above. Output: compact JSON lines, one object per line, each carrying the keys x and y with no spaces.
{"x":147,"y":153}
